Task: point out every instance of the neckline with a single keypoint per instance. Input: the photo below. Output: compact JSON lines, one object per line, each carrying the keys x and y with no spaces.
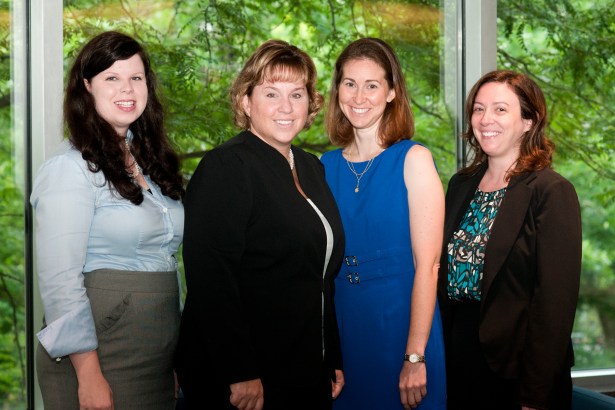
{"x":494,"y":192}
{"x":263,"y":145}
{"x":374,"y":158}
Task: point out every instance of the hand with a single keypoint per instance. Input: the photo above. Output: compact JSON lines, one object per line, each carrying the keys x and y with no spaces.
{"x":338,"y":384}
{"x":176,"y":385}
{"x":412,"y":384}
{"x":94,"y":392}
{"x":248,"y":395}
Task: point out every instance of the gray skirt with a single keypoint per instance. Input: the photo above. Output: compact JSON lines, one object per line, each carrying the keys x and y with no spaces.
{"x":137,"y":324}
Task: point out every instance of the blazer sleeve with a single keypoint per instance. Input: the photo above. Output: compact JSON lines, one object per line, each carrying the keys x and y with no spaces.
{"x":558,"y":265}
{"x":218,"y":207}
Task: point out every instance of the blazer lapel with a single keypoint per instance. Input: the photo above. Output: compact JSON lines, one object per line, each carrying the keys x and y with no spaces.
{"x":506,"y":227}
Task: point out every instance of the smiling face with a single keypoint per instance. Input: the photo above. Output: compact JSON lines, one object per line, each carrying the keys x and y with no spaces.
{"x":278,"y":111}
{"x":364,"y":94}
{"x":120,"y":93}
{"x":497,"y":122}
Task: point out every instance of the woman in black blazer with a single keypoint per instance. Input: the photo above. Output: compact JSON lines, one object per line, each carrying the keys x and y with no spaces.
{"x":511,"y":261}
{"x":263,"y":239}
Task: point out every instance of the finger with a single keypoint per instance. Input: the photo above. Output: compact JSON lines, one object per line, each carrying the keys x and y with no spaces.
{"x":406,"y":399}
{"x":403,"y":396}
{"x":260,"y":403}
{"x":336,"y":389}
{"x":238,"y":401}
{"x":416,"y":397}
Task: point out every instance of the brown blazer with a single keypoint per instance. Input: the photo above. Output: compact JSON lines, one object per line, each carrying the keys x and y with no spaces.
{"x":530,"y":280}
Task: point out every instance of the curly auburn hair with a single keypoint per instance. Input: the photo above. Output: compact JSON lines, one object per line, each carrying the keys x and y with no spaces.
{"x":536,"y":150}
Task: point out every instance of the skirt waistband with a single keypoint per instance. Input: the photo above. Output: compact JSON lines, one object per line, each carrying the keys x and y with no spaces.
{"x":132,"y":281}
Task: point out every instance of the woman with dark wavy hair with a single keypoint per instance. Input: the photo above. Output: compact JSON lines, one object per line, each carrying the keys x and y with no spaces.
{"x":109,"y":220}
{"x":511,"y":260}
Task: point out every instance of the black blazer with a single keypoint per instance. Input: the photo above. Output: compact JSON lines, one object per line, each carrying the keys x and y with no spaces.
{"x":254,"y":253}
{"x":530,"y":279}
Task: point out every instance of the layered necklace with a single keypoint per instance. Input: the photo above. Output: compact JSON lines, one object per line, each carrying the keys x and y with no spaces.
{"x":359,"y":175}
{"x":134,"y":168}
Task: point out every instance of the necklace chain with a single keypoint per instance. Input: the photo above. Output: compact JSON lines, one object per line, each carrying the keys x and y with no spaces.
{"x":359,"y":175}
{"x":135,"y":169}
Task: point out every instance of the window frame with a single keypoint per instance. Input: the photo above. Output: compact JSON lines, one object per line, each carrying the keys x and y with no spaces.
{"x":45,"y":131}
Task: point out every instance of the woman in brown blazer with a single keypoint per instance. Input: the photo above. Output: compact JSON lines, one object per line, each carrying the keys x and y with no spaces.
{"x":511,"y":261}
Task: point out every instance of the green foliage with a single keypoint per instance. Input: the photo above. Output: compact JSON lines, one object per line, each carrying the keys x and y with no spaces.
{"x":568,"y":47}
{"x":12,"y":302}
{"x":198,"y":46}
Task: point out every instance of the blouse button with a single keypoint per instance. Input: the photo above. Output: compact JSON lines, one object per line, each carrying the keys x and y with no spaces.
{"x":164,"y":210}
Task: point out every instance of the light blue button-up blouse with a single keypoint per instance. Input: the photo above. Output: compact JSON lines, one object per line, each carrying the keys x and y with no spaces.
{"x":82,"y":225}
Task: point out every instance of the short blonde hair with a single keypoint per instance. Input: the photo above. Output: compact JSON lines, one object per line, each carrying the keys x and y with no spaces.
{"x":275,"y":60}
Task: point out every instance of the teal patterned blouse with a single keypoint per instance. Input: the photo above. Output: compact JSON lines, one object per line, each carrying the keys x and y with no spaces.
{"x":466,"y":249}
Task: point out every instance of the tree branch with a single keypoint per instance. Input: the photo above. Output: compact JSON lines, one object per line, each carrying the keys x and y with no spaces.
{"x":5,"y":100}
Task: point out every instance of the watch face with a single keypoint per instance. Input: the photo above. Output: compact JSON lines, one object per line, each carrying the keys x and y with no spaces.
{"x":415,"y":358}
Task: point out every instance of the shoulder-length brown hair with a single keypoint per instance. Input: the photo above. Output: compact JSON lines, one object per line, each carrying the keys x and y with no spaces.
{"x":397,"y":121}
{"x":275,"y":60}
{"x":98,"y":141}
{"x":536,"y":150}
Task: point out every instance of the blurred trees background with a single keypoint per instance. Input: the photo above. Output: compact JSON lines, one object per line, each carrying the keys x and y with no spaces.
{"x":568,"y":47}
{"x":197,"y":47}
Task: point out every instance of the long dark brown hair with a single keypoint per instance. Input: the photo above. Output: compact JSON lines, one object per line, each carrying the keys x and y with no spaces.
{"x":97,"y":140}
{"x":536,"y":150}
{"x":397,"y":121}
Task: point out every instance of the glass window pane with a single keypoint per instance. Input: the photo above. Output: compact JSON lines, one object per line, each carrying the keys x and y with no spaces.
{"x":197,"y":48}
{"x":568,"y":48}
{"x":12,"y":272}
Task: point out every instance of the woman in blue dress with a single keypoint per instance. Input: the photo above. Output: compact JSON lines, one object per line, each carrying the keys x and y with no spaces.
{"x":392,"y":207}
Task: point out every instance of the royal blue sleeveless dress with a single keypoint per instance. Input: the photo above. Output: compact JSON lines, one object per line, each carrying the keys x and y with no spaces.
{"x":374,"y":286}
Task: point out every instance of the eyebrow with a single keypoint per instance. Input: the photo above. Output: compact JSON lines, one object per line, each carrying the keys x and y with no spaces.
{"x":117,"y":73}
{"x":496,"y":102}
{"x":367,"y":81}
{"x":277,"y":89}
